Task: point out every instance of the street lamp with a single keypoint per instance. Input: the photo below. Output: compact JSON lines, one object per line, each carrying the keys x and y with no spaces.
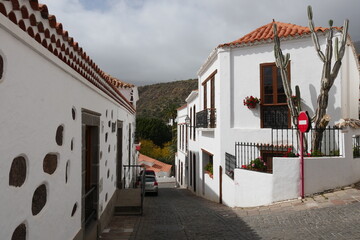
{"x":187,"y":120}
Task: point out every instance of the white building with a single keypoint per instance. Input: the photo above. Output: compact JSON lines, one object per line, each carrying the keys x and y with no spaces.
{"x":246,"y":67}
{"x":66,"y":130}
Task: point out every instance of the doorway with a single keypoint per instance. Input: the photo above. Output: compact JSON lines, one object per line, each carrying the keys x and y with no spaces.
{"x":194,"y":171}
{"x":90,"y":172}
{"x":119,"y":155}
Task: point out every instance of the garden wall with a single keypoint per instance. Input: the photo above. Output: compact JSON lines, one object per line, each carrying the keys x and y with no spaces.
{"x":254,"y":188}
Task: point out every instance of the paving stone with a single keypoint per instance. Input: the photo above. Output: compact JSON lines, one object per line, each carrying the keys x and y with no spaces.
{"x":179,"y":214}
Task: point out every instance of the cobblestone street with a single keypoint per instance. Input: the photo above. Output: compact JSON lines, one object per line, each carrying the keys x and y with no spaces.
{"x":178,"y":214}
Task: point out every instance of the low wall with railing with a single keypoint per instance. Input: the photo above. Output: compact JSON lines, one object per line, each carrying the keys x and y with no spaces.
{"x":323,"y":173}
{"x":253,"y":188}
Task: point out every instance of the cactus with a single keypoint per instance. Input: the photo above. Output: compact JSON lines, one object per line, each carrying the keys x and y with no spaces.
{"x":282,"y":62}
{"x":320,"y":119}
{"x":329,"y":74}
{"x":298,"y":98}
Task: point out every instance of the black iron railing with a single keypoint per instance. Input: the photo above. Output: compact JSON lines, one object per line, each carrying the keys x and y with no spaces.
{"x":90,"y":206}
{"x":206,"y":118}
{"x":275,"y":116}
{"x":230,"y":164}
{"x":285,"y":143}
{"x":356,"y":146}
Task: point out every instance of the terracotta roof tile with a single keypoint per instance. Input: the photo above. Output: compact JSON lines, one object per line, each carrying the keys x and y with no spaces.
{"x":266,"y":33}
{"x":62,"y":43}
{"x":157,"y":165}
{"x":182,"y":107}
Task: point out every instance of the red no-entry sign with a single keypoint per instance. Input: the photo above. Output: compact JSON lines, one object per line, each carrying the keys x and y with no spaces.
{"x":304,"y":124}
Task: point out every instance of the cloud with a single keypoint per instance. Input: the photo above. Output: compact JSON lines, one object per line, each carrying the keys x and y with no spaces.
{"x":148,"y":41}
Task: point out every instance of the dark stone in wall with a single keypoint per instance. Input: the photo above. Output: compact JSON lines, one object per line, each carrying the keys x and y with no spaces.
{"x":17,"y":173}
{"x":1,"y":67}
{"x":67,"y":169}
{"x":50,"y":163}
{"x":74,"y":210}
{"x":73,"y":113}
{"x":59,"y":135}
{"x":39,"y":199}
{"x":19,"y":233}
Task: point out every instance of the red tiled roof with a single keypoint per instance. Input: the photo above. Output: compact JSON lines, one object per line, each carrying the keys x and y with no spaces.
{"x":34,"y":19}
{"x":182,"y":107}
{"x":266,"y":33}
{"x":157,"y":165}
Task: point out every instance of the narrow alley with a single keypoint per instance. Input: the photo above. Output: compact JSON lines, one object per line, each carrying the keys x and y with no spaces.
{"x":178,"y":214}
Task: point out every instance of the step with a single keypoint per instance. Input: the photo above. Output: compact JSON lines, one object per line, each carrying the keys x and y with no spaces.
{"x":127,"y":210}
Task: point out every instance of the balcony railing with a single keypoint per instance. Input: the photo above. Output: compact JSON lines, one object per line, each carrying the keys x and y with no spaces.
{"x":285,"y":143}
{"x":206,"y":118}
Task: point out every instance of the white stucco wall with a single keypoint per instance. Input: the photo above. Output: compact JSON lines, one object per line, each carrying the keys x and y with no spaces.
{"x":331,"y":172}
{"x":252,"y":188}
{"x":180,"y":159}
{"x":193,"y":149}
{"x":37,"y":94}
{"x":305,"y":71}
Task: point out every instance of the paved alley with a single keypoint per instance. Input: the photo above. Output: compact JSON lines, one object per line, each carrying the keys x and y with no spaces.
{"x":178,"y":214}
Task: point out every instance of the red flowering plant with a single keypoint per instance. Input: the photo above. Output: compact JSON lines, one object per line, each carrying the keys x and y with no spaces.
{"x":290,"y":153}
{"x":257,"y":164}
{"x":251,"y":101}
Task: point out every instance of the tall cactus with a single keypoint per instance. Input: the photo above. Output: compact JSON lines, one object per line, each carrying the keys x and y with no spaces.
{"x":282,"y":62}
{"x":298,"y":98}
{"x":329,"y":74}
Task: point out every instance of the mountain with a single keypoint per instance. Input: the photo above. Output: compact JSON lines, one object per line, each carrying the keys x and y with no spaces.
{"x":157,"y":100}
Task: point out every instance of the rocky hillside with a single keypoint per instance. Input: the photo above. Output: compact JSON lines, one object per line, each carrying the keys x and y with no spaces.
{"x":160,"y":100}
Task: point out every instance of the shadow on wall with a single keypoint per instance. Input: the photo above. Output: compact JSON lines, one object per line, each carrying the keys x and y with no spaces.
{"x":335,"y":112}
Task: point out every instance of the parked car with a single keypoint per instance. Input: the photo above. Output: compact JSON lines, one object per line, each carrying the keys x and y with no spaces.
{"x":151,"y":185}
{"x":148,"y":173}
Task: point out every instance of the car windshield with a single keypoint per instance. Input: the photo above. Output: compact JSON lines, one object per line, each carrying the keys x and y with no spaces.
{"x":150,"y":179}
{"x":148,"y":172}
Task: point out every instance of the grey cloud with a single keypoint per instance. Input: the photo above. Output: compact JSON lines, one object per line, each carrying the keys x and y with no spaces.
{"x":148,"y":41}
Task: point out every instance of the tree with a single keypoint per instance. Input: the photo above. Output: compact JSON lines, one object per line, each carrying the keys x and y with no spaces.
{"x":153,"y":129}
{"x":170,"y":111}
{"x":329,"y":74}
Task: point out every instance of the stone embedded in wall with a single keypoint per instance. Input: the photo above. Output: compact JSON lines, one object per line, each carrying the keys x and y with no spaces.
{"x":59,"y":135}
{"x":74,"y":210}
{"x":72,"y":144}
{"x":39,"y":199}
{"x":109,"y":148}
{"x":105,"y":163}
{"x":112,"y":114}
{"x":106,"y":113}
{"x":67,"y":170}
{"x":50,"y":163}
{"x":1,"y":67}
{"x":106,"y":197}
{"x":108,"y":173}
{"x":73,"y":113}
{"x":17,"y":173}
{"x":100,"y":155}
{"x":106,"y":137}
{"x":109,"y":123}
{"x":19,"y":233}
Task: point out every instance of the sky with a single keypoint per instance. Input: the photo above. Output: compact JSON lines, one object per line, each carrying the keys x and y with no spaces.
{"x":150,"y":41}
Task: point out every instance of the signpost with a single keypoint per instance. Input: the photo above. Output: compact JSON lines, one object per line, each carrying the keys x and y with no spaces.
{"x":304,"y":125}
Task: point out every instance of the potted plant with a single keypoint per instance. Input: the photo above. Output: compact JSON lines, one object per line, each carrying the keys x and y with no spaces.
{"x":209,"y":169}
{"x":257,"y":164}
{"x":251,"y":102}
